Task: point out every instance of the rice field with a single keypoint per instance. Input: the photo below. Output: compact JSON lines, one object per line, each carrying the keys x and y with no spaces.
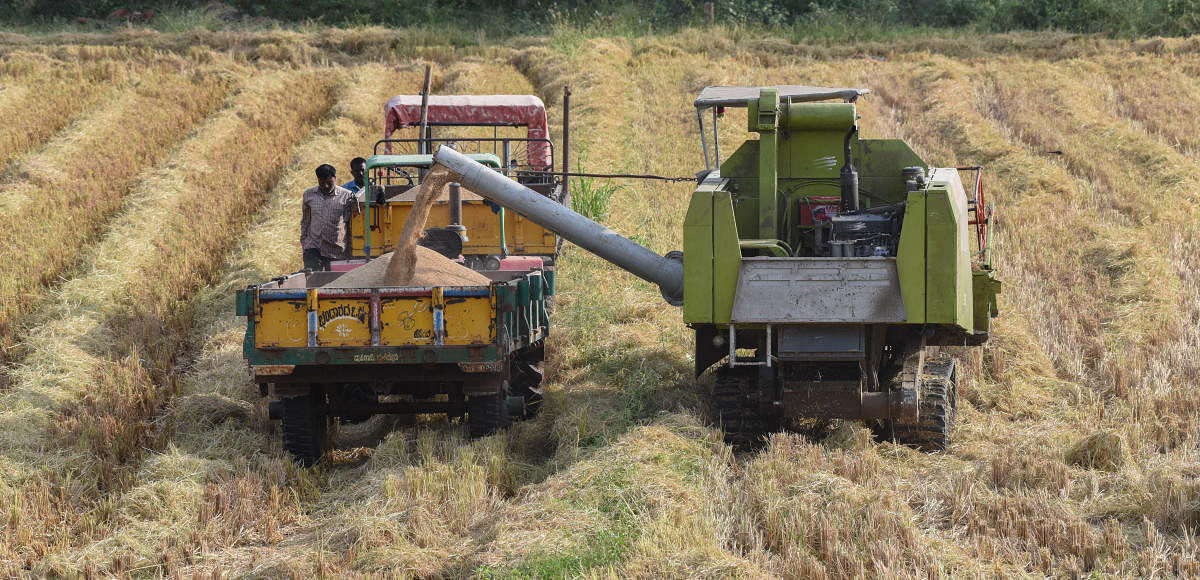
{"x":146,"y":176}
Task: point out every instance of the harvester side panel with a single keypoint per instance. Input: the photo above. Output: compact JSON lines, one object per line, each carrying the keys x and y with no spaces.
{"x":711,"y":255}
{"x":949,"y":292}
{"x":910,"y":257}
{"x":727,"y":256}
{"x":698,"y":257}
{"x":741,"y":169}
{"x":879,"y":162}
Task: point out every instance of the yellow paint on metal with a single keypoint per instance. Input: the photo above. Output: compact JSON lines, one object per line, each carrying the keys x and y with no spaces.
{"x":346,"y":322}
{"x":439,"y":298}
{"x":409,"y":320}
{"x":469,"y":320}
{"x":525,"y":238}
{"x":281,"y":323}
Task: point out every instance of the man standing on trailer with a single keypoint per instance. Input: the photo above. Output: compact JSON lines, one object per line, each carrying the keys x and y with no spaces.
{"x":357,"y":170}
{"x":324,"y":235}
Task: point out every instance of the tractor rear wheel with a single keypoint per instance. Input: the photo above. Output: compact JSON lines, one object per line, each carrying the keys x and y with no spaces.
{"x":487,"y":414}
{"x":931,"y":431}
{"x":305,"y":426}
{"x":736,"y":402}
{"x":527,"y":383}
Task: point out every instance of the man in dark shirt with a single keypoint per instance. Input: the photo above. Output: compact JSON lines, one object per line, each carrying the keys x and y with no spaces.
{"x":357,"y":170}
{"x":324,"y":235}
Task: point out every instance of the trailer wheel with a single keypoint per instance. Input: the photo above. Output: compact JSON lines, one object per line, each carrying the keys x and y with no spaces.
{"x":305,"y":426}
{"x":931,"y":431}
{"x":735,"y":399}
{"x":527,"y":382}
{"x":487,"y":414}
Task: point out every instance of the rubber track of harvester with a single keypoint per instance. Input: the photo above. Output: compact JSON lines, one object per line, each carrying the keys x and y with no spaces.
{"x":304,"y":429}
{"x":487,"y":414}
{"x":737,"y":411}
{"x":931,"y":432}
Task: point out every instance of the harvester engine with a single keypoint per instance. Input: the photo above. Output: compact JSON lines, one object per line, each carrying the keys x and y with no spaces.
{"x":874,"y":232}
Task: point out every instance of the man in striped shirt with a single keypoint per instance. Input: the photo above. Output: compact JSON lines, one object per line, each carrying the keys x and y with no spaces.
{"x":324,"y":231}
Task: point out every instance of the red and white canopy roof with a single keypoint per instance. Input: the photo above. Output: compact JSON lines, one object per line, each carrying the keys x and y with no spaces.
{"x":504,"y":110}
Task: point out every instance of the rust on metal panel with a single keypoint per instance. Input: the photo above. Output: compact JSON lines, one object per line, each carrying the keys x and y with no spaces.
{"x":484,"y":367}
{"x":273,"y":370}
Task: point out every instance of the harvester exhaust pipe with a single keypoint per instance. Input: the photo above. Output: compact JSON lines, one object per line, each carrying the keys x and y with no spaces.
{"x":665,"y":271}
{"x":849,"y":177}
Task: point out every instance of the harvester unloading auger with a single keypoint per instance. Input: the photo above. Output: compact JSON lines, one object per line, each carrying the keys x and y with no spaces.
{"x":840,"y":263}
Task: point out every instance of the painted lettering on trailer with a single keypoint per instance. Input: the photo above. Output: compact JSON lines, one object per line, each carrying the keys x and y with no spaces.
{"x":353,"y":311}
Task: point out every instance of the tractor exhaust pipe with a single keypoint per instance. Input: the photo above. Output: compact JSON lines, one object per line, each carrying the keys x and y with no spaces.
{"x":665,"y":271}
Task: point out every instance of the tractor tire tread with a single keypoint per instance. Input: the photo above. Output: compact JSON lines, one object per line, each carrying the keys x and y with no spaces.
{"x":486,"y":414}
{"x":736,"y":404}
{"x":304,"y":428}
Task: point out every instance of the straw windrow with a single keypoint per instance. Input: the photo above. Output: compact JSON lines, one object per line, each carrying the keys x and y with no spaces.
{"x":104,"y":350}
{"x":85,"y":181}
{"x":185,"y":491}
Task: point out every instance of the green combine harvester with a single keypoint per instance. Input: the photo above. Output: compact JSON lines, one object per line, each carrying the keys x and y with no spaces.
{"x":821,"y":271}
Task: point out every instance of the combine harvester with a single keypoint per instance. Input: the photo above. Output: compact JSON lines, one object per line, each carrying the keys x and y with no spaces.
{"x":821,"y":270}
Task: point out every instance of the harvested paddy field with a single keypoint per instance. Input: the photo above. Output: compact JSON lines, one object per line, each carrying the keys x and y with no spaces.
{"x":166,"y":171}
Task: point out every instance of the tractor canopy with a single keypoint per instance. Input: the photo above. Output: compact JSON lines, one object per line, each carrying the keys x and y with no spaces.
{"x":477,"y":110}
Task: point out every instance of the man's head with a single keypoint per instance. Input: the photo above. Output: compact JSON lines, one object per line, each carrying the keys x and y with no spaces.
{"x":357,"y":168}
{"x":326,"y":176}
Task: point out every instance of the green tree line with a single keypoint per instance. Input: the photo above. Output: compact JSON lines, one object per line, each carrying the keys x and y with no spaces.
{"x":1125,"y":18}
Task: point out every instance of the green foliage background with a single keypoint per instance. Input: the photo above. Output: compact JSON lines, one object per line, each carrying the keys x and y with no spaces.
{"x":1124,"y":18}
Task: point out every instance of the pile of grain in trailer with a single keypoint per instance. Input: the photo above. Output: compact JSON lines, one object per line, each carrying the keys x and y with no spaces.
{"x":411,"y":264}
{"x":403,"y":266}
{"x":431,"y":269}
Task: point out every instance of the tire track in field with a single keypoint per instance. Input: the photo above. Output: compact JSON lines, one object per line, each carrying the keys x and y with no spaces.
{"x":81,"y":181}
{"x":100,"y":361}
{"x":216,"y":424}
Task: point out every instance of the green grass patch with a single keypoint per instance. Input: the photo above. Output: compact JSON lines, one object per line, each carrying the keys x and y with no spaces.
{"x":603,"y":550}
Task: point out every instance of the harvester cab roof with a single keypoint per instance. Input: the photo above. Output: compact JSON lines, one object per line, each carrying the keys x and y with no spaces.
{"x":718,"y":98}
